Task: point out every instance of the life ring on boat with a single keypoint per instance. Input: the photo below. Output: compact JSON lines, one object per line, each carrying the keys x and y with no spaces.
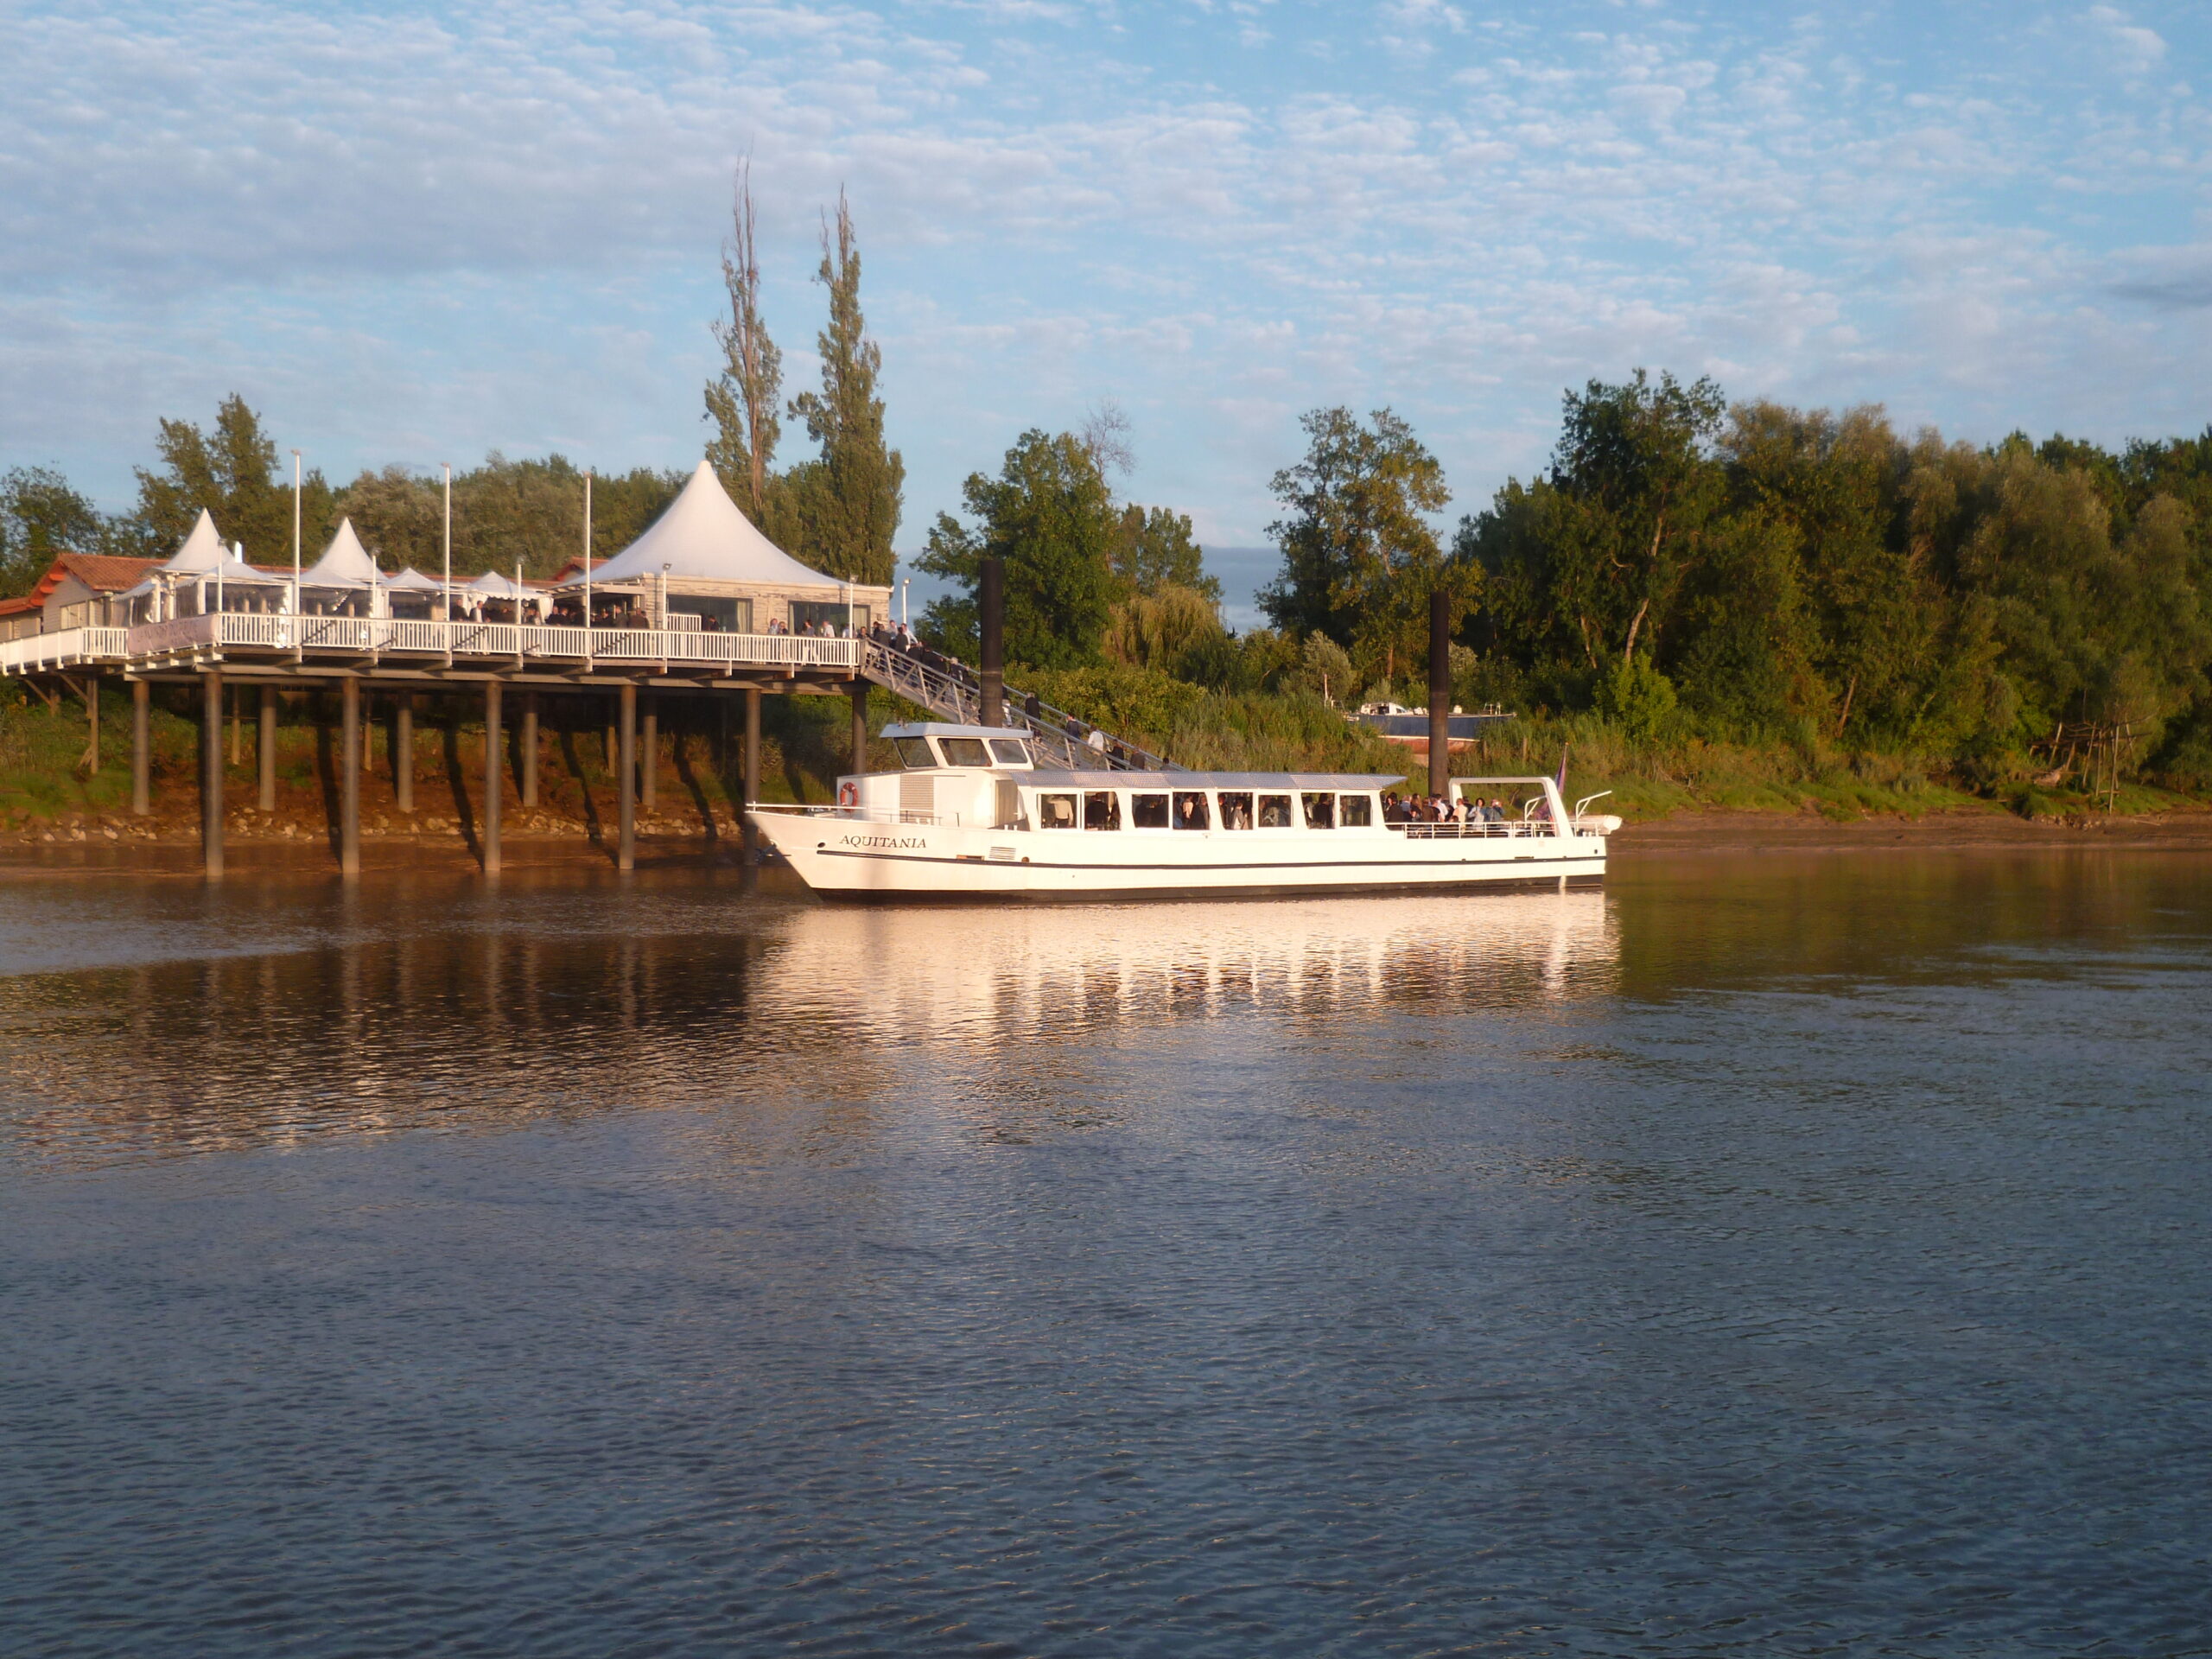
{"x":848,"y":793}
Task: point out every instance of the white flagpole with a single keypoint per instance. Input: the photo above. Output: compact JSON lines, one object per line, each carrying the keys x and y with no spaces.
{"x":299,"y":632}
{"x":587,"y":564}
{"x":448,"y":466}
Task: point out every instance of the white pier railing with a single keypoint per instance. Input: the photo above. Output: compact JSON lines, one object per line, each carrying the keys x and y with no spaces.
{"x":39,"y":653}
{"x":506,"y":643}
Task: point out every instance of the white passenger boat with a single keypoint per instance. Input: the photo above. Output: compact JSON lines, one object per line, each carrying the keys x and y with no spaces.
{"x":970,"y":816}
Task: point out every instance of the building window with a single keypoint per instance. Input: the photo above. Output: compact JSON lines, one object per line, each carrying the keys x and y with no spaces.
{"x":715,"y":615}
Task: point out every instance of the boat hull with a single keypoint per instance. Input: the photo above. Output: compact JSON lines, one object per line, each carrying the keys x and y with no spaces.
{"x":850,"y":858}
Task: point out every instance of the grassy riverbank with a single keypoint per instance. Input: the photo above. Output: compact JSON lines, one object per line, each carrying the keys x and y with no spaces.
{"x":47,"y":791}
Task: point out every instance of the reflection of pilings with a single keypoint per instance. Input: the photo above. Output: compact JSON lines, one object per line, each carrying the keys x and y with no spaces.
{"x":142,"y":758}
{"x":492,"y":780}
{"x":211,"y":774}
{"x":625,"y":853}
{"x":266,"y":799}
{"x":349,"y":771}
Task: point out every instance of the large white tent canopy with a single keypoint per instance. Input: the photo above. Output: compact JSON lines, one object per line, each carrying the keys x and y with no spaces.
{"x":343,"y":563}
{"x":703,"y":536}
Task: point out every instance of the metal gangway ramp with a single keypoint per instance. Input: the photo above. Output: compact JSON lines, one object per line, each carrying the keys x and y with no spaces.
{"x":952,"y":690}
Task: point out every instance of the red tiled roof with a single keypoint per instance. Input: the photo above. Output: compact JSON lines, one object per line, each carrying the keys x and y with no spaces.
{"x":104,"y":573}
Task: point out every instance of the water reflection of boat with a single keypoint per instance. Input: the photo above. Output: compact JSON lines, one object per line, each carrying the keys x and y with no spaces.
{"x":399,"y":1011}
{"x":951,"y":975}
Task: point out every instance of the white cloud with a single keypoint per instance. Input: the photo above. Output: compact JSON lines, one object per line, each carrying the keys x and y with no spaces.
{"x":407,"y":228}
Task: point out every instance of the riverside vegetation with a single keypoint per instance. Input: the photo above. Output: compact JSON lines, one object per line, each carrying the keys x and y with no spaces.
{"x":1696,"y":602}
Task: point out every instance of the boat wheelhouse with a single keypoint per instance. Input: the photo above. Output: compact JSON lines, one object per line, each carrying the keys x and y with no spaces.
{"x":969,"y":814}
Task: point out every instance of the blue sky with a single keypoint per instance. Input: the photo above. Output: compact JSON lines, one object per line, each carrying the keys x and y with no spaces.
{"x":413,"y":234}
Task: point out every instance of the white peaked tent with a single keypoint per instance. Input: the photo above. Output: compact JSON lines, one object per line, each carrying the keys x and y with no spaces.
{"x":411,"y":581}
{"x":495,"y":586}
{"x":703,"y":535}
{"x":201,"y":551}
{"x":343,"y":563}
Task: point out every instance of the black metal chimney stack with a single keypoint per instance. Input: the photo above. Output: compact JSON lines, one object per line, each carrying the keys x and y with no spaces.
{"x":1439,"y":691}
{"x":993,"y":599}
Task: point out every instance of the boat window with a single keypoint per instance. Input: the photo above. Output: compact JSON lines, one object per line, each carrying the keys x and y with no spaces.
{"x":913,"y":751}
{"x":1009,"y":752}
{"x":1320,"y":812}
{"x":1191,"y":810}
{"x":963,"y":752}
{"x":1235,"y":810}
{"x":1275,"y":811}
{"x":1056,"y":811}
{"x":1147,"y":811}
{"x":1101,"y":809}
{"x":1355,"y":811}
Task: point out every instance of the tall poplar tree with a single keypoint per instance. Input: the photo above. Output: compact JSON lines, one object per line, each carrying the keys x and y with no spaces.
{"x":847,"y":502}
{"x":743,"y":401}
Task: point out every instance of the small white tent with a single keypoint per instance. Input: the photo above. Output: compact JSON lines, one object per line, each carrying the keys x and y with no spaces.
{"x":704,"y":535}
{"x":411,"y":581}
{"x":201,"y":551}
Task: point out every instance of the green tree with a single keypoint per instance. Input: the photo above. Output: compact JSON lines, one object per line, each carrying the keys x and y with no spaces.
{"x":41,"y":519}
{"x":742,"y":401}
{"x":845,"y":504}
{"x":1154,"y":548}
{"x":1354,"y":542}
{"x":504,"y":512}
{"x":1049,"y":516}
{"x":230,"y":471}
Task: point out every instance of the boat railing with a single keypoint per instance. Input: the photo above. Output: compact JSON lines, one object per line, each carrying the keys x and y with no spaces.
{"x":1487,"y":830}
{"x":888,"y":814}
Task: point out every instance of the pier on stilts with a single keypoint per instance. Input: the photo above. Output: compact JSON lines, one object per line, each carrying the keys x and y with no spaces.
{"x":245,"y":642}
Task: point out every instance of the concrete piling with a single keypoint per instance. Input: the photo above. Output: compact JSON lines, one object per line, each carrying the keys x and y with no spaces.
{"x":493,"y":766}
{"x":142,"y":756}
{"x":402,"y":751}
{"x":349,"y":773}
{"x":211,"y":774}
{"x":530,"y":752}
{"x":267,"y":798}
{"x":626,"y":849}
{"x":751,"y":778}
